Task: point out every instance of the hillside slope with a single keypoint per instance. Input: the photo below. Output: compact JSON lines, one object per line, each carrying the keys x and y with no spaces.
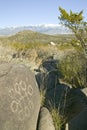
{"x":32,"y":37}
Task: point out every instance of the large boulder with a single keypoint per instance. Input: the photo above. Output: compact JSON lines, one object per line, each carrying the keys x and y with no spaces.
{"x":56,"y":96}
{"x":45,"y":120}
{"x":69,"y":101}
{"x":76,"y":101}
{"x":79,"y":122}
{"x":19,"y":98}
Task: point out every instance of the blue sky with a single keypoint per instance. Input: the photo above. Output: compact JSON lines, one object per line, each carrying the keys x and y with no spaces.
{"x":27,"y":12}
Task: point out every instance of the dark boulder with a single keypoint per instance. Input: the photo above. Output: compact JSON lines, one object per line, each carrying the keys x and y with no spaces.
{"x":76,"y":101}
{"x":56,"y":96}
{"x":79,"y":122}
{"x":48,"y":74}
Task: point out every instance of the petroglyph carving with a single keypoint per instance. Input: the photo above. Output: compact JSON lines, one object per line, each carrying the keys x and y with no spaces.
{"x":17,"y":88}
{"x":20,"y":99}
{"x":14,"y":106}
{"x":30,"y":90}
{"x":31,"y":106}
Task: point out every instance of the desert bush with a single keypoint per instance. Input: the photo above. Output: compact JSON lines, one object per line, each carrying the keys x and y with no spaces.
{"x":42,"y":97}
{"x":57,"y":119}
{"x":25,"y":46}
{"x":72,"y":69}
{"x":64,"y":46}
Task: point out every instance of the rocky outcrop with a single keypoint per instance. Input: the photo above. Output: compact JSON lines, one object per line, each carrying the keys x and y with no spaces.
{"x":19,"y":98}
{"x":48,"y":79}
{"x":67,"y":100}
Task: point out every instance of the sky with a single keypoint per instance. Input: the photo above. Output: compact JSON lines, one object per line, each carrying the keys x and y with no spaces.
{"x":34,"y":12}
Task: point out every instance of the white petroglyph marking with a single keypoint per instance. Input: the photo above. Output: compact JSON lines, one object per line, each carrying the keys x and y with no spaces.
{"x":11,"y":93}
{"x":23,"y":85}
{"x":17,"y":88}
{"x":21,"y":115}
{"x":14,"y":106}
{"x":21,"y":103}
{"x":27,"y":111}
{"x":31,"y":105}
{"x":30,"y":90}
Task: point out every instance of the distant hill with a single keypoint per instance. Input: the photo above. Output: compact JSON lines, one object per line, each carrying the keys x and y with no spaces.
{"x":29,"y":36}
{"x":43,"y":28}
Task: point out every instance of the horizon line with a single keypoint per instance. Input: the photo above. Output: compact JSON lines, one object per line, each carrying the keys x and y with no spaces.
{"x":46,"y":25}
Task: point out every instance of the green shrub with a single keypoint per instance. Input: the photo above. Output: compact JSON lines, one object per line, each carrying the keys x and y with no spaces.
{"x":42,"y":97}
{"x":26,"y":46}
{"x":72,"y":68}
{"x":57,"y":119}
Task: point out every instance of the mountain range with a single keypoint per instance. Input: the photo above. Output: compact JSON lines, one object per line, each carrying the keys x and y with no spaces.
{"x":50,"y":29}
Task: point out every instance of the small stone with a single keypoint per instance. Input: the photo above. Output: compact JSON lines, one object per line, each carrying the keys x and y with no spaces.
{"x":45,"y":120}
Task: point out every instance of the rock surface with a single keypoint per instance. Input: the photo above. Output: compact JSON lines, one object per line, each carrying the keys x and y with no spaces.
{"x":48,"y":75}
{"x":67,"y":100}
{"x":19,"y":98}
{"x":56,"y":96}
{"x":84,"y":90}
{"x":76,"y":101}
{"x":79,"y":122}
{"x":45,"y":120}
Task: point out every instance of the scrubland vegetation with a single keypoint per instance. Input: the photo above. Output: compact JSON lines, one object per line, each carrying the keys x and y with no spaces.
{"x":68,"y":49}
{"x":36,"y":47}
